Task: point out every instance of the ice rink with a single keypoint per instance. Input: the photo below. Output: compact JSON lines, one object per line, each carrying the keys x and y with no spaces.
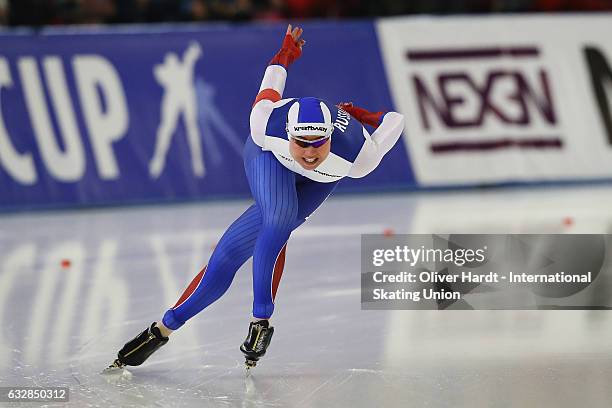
{"x":62,"y":325}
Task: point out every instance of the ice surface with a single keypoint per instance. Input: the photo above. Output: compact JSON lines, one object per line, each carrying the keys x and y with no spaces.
{"x":61,"y":326}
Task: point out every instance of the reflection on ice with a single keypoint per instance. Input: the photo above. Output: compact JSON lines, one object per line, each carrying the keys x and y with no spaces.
{"x":63,"y":325}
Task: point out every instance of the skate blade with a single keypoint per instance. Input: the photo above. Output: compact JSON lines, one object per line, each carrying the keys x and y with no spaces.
{"x":250,"y":364}
{"x":114,"y":368}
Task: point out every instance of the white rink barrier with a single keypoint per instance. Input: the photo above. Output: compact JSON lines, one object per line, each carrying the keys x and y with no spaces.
{"x":521,"y":98}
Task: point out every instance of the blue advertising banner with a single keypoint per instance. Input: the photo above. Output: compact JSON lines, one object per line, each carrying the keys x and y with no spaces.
{"x":136,"y":114}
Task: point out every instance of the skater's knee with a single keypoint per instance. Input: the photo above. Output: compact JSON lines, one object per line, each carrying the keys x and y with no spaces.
{"x":230,"y":254}
{"x":223,"y":255}
{"x":279,"y":223}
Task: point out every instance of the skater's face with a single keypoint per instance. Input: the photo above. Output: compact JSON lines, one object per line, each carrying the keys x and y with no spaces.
{"x":308,"y":156}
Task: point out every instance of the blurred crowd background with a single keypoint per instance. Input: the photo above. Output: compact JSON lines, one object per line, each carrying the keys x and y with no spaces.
{"x":61,"y":12}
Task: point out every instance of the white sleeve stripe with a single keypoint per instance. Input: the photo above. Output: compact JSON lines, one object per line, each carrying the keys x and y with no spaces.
{"x":258,"y":121}
{"x":375,"y":147}
{"x":259,"y":118}
{"x":274,"y":78}
{"x":389,"y":131}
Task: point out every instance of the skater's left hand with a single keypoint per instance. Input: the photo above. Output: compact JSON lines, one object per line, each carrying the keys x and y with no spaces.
{"x":362,"y":115}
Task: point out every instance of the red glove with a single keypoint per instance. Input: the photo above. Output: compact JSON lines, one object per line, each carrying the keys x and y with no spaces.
{"x":364,"y":116}
{"x":289,"y":52}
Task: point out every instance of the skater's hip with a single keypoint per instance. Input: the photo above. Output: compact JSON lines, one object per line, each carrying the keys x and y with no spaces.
{"x":251,"y":150}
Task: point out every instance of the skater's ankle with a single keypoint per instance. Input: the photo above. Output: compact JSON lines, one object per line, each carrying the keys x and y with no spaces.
{"x":163,"y":329}
{"x":259,"y":319}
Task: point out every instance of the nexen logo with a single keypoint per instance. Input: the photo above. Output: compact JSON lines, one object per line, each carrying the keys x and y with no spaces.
{"x":501,"y":97}
{"x":309,"y":128}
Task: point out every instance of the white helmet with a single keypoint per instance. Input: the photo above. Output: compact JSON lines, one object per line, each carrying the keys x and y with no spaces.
{"x":309,"y":117}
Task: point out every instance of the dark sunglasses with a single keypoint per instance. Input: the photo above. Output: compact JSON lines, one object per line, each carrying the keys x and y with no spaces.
{"x":307,"y":143}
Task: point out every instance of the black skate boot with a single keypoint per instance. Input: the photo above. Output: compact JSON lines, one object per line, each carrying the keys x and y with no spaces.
{"x":257,"y":342}
{"x":136,"y":351}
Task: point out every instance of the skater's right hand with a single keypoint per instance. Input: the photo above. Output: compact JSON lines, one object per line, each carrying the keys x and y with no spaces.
{"x":291,"y":48}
